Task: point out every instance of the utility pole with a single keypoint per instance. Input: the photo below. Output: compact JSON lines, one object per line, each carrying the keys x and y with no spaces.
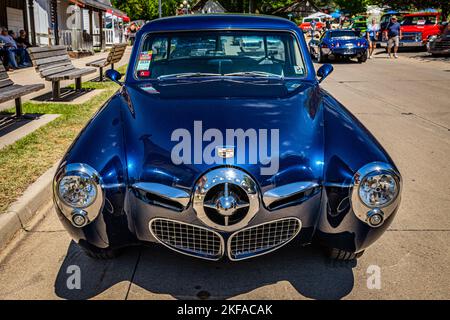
{"x":159,"y":8}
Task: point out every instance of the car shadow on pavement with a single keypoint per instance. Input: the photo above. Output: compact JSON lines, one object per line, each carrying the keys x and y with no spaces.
{"x":157,"y":270}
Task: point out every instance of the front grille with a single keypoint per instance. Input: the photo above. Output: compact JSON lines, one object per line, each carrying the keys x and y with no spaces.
{"x":411,"y":36}
{"x":188,"y":239}
{"x":262,"y":238}
{"x":442,"y":44}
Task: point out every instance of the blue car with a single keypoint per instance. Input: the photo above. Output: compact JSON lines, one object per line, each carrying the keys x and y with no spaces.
{"x":339,"y":44}
{"x":217,"y":151}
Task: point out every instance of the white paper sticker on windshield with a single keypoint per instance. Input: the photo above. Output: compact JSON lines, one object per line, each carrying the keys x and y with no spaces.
{"x":143,"y":65}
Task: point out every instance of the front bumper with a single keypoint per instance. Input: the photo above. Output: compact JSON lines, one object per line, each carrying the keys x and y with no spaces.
{"x":346,"y":52}
{"x":408,"y":44}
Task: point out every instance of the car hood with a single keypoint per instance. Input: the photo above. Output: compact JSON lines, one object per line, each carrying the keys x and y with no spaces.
{"x":155,"y":117}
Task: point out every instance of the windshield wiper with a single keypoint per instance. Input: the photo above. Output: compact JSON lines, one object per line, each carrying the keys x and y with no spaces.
{"x":259,"y":74}
{"x":188,"y":75}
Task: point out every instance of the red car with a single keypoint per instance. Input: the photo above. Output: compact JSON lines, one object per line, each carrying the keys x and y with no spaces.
{"x":306,"y":24}
{"x":418,"y":28}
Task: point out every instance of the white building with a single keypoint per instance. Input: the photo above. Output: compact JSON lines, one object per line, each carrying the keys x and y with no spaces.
{"x":81,"y":25}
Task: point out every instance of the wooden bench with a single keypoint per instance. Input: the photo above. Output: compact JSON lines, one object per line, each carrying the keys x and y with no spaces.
{"x":114,"y":56}
{"x":53,"y":64}
{"x":10,"y":91}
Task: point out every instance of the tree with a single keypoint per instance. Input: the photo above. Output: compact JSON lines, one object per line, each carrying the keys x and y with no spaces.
{"x":145,"y":9}
{"x":353,"y":6}
{"x":443,"y":5}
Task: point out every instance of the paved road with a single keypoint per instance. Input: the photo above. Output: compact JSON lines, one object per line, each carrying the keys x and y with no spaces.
{"x":406,"y":104}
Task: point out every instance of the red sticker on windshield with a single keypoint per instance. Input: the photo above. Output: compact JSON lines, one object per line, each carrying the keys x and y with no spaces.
{"x":145,"y":73}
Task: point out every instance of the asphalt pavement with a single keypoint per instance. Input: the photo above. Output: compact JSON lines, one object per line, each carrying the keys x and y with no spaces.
{"x":405,"y":103}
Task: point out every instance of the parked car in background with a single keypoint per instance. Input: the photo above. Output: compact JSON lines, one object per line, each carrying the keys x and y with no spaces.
{"x":305,"y":26}
{"x":418,"y":28}
{"x":359,"y":24}
{"x":440,"y":45}
{"x":178,"y":156}
{"x":339,"y":44}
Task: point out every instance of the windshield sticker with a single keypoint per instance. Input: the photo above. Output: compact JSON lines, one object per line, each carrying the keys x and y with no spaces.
{"x":144,"y":74}
{"x":146,"y":55}
{"x":421,"y":22}
{"x":144,"y":61}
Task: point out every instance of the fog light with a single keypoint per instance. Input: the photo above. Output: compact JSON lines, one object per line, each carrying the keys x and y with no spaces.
{"x":375,"y":218}
{"x":79,"y":219}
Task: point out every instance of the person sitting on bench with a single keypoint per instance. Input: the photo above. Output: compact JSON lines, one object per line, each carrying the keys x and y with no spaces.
{"x":12,"y":49}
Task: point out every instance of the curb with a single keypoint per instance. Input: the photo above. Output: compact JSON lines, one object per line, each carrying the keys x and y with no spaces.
{"x":23,"y":210}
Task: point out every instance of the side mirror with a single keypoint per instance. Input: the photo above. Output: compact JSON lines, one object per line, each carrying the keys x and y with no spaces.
{"x":324,"y":71}
{"x":114,"y":76}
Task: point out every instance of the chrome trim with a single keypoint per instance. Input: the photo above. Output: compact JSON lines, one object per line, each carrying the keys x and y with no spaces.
{"x":222,"y":176}
{"x":267,"y":251}
{"x":292,"y":32}
{"x":222,"y":242}
{"x":360,"y":209}
{"x":287,"y":190}
{"x":91,"y":211}
{"x":174,"y":194}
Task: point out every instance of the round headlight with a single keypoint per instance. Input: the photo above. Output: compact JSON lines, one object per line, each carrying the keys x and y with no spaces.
{"x":378,"y":189}
{"x":77,"y":190}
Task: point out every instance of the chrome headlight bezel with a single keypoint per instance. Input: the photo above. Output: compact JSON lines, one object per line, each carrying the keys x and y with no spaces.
{"x":94,"y":207}
{"x":362,"y":210}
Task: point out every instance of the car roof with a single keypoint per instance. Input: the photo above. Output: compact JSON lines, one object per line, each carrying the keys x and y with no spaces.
{"x":421,"y":14}
{"x":218,"y":21}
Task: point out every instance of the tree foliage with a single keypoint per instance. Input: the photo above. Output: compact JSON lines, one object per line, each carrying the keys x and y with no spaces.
{"x":145,"y":9}
{"x":148,"y":9}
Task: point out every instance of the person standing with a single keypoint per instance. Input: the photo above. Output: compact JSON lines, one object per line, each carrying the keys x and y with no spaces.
{"x":373,"y":30}
{"x":394,"y":34}
{"x":313,"y":27}
{"x":328,"y":24}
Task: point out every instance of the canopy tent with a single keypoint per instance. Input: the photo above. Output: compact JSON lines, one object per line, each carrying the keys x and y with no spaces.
{"x":319,"y":15}
{"x":336,"y":14}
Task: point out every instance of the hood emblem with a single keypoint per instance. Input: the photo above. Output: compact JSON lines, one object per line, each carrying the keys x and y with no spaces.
{"x":225,"y":152}
{"x":226,"y":199}
{"x":226,"y":204}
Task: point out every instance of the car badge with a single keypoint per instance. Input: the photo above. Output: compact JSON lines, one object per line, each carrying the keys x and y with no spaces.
{"x":225,"y":152}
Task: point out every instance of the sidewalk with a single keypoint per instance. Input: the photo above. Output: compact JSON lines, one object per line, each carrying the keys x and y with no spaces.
{"x":30,"y":76}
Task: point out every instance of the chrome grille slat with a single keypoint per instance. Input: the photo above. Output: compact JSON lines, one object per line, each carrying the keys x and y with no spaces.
{"x":188,"y":239}
{"x":262,"y":238}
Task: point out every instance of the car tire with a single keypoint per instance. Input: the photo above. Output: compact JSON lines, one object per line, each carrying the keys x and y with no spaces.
{"x":101,"y":253}
{"x":342,"y":255}
{"x":363,"y":57}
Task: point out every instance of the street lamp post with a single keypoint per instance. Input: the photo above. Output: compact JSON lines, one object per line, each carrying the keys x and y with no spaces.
{"x":159,"y":8}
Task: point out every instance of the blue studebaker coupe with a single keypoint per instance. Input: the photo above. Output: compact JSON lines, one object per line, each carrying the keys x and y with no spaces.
{"x":221,"y":143}
{"x":339,"y":43}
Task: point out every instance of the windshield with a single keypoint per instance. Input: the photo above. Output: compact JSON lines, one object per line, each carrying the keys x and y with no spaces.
{"x":311,"y":19}
{"x":419,"y":20}
{"x":219,"y":53}
{"x":344,"y":34}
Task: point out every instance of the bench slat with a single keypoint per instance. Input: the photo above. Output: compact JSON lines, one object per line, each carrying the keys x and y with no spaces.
{"x":72,"y":74}
{"x":2,"y":68}
{"x":3,"y":75}
{"x":5,"y":83}
{"x":44,"y":67}
{"x":16,"y":91}
{"x":97,"y":63}
{"x":46,"y":54}
{"x":50,"y":60}
{"x":60,"y":69}
{"x":45,"y":49}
